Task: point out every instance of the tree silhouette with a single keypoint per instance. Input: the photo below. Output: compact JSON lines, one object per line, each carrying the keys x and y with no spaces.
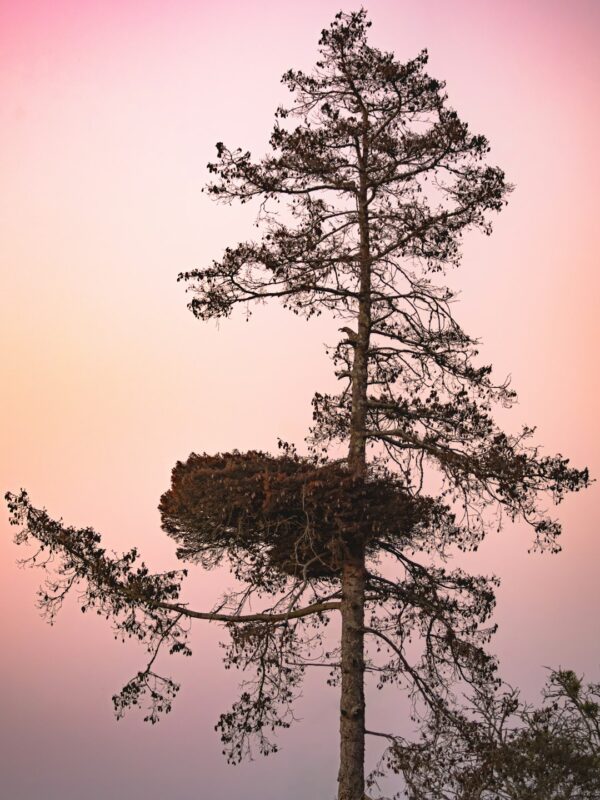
{"x":371,"y":182}
{"x":499,"y":748}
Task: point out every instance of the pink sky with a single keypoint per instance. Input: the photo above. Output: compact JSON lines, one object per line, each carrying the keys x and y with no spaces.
{"x":109,"y":112}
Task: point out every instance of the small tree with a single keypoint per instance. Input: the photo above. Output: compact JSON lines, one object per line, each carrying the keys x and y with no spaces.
{"x":371,"y":183}
{"x":499,"y":748}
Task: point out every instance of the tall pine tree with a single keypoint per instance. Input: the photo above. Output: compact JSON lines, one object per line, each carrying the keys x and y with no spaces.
{"x":371,"y":182}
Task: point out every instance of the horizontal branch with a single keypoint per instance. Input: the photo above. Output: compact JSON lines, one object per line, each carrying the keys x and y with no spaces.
{"x":315,"y":608}
{"x":389,"y":736}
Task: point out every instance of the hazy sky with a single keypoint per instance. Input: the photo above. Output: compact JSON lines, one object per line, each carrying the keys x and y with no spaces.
{"x":109,"y":112}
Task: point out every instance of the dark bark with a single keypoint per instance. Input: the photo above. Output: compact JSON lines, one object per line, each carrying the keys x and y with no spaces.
{"x":351,"y":775}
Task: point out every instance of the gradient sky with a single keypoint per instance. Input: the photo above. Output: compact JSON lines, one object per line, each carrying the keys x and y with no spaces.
{"x":109,"y":112}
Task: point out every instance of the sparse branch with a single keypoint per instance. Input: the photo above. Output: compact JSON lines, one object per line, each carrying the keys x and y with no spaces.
{"x":211,"y":616}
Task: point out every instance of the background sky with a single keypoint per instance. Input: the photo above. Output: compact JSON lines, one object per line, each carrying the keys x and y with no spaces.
{"x":109,"y":112}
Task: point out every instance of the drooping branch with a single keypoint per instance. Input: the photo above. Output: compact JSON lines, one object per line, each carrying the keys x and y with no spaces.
{"x":496,"y":747}
{"x":139,"y":604}
{"x":114,"y":585}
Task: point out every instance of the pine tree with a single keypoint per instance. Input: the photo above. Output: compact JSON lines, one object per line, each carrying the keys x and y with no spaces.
{"x":500,"y":748}
{"x":371,"y":182}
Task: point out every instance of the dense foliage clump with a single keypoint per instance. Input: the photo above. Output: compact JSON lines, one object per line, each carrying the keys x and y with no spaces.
{"x":288,"y":515}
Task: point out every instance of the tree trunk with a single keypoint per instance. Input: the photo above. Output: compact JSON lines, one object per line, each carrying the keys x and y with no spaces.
{"x":351,"y":776}
{"x":352,"y":706}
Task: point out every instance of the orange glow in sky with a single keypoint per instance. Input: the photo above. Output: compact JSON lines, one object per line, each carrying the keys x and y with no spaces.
{"x":109,"y":113}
